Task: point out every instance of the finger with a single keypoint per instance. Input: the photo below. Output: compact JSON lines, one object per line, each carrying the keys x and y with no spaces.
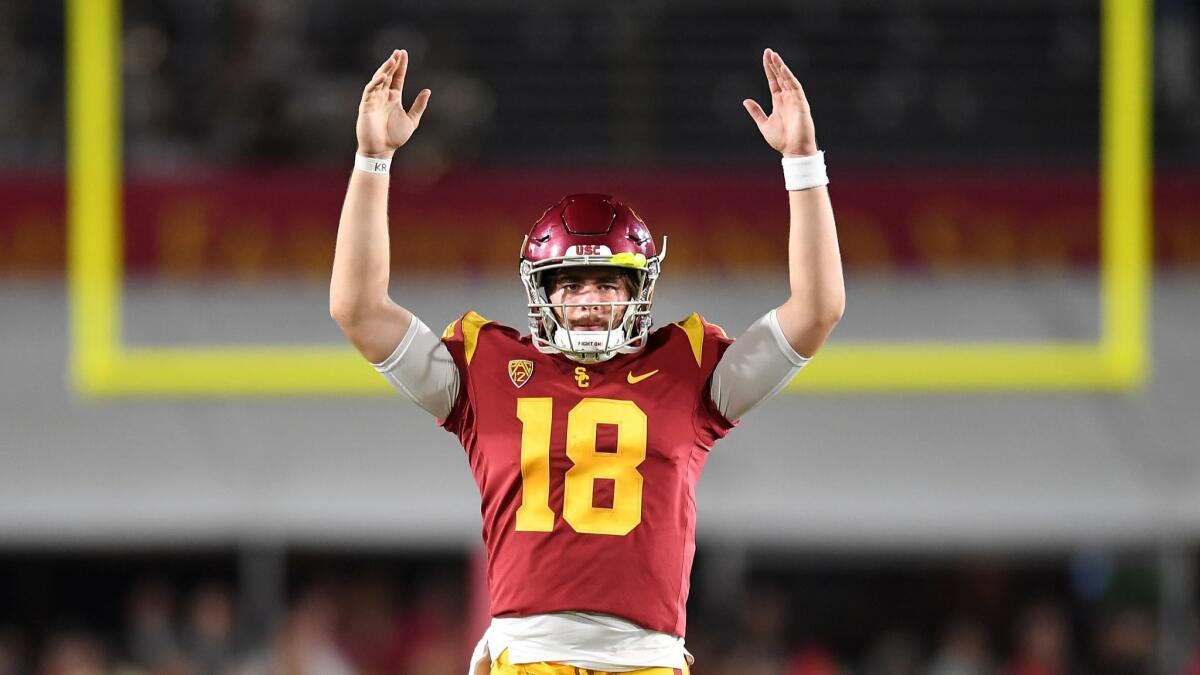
{"x":372,"y":87}
{"x":386,"y":67}
{"x":774,"y":61}
{"x":381,"y":74}
{"x":375,"y":83}
{"x":418,"y":106}
{"x":756,"y":111}
{"x":786,"y":78}
{"x":769,"y":69}
{"x":397,"y":83}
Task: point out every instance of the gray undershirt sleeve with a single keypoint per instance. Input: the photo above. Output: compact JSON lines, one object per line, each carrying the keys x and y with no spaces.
{"x":422,"y":369}
{"x":754,"y":368}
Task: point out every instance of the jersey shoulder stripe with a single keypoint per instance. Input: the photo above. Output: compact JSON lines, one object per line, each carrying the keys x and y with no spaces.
{"x":468,"y":326}
{"x":694,"y":326}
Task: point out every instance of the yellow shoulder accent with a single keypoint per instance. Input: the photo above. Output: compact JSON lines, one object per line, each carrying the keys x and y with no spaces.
{"x":471,"y":323}
{"x":693,"y":326}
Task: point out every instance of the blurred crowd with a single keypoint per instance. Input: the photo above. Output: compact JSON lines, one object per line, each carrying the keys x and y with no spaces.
{"x":1040,"y":641}
{"x":278,"y":81}
{"x":360,"y":627}
{"x":357,"y":628}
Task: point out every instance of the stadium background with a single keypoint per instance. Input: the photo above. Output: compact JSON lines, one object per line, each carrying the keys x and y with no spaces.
{"x":876,"y":535}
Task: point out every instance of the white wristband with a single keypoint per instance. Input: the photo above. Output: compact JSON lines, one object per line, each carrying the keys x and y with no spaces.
{"x":802,"y":173}
{"x":372,"y":165}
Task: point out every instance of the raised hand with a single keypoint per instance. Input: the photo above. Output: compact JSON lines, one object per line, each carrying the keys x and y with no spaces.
{"x":383,"y":124}
{"x":789,"y":128}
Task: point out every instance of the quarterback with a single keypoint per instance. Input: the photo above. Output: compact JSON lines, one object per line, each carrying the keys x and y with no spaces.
{"x":586,"y":436}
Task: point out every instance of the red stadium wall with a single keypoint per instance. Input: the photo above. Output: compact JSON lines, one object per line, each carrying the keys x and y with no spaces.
{"x":251,"y":225}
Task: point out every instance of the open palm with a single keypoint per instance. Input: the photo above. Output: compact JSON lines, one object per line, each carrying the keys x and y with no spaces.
{"x":789,"y":128}
{"x":383,"y":123}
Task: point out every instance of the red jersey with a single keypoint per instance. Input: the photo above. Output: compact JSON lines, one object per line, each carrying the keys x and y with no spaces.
{"x":587,"y":473}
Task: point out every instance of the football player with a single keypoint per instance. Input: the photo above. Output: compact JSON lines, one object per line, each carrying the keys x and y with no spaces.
{"x":587,"y":435}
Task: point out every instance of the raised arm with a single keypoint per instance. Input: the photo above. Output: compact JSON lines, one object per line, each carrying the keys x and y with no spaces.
{"x":818,"y":294}
{"x":358,"y":291}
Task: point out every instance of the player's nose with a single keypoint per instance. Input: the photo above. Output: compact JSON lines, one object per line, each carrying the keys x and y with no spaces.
{"x":589,"y":314}
{"x":589,"y":296}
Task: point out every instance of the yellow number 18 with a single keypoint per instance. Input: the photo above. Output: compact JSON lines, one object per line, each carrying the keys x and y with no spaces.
{"x":534,"y":514}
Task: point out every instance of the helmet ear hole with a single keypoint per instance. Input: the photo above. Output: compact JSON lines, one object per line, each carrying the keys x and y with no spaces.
{"x":632,"y":284}
{"x":545,"y":281}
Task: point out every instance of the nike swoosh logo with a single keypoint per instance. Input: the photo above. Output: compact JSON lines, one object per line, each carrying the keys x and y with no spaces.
{"x":634,"y":379}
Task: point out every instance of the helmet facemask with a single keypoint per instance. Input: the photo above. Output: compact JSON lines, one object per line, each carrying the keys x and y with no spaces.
{"x":552,"y":334}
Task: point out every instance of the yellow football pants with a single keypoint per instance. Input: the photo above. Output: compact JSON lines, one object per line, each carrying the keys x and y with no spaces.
{"x":501,"y":666}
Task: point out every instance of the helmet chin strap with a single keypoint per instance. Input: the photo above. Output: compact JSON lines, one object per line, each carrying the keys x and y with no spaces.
{"x":589,"y":346}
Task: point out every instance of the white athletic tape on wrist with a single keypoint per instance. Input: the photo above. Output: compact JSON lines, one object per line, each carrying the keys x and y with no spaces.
{"x":372,"y":165}
{"x":802,"y":173}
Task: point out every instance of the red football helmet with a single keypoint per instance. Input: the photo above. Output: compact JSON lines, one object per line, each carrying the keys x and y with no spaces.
{"x":590,"y":230}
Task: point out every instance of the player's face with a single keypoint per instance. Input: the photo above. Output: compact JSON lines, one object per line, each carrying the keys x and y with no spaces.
{"x":590,"y":285}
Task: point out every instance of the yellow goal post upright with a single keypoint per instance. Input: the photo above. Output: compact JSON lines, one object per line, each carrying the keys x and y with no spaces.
{"x":102,"y":365}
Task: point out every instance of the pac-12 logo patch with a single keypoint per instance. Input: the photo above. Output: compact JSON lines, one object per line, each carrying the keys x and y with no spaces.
{"x":519,"y":371}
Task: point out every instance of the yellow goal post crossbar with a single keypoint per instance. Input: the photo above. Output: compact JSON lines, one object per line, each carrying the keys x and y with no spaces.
{"x":101,"y":365}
